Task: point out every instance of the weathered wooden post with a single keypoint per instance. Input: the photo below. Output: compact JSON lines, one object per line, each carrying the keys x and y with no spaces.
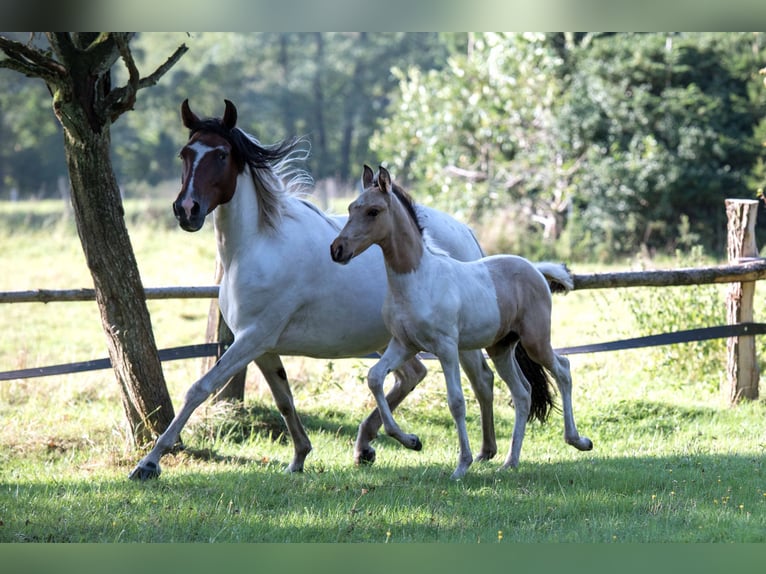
{"x":218,"y":332}
{"x":742,"y":367}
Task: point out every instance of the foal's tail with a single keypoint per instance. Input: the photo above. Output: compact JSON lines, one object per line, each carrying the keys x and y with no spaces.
{"x":557,"y":275}
{"x":542,"y":400}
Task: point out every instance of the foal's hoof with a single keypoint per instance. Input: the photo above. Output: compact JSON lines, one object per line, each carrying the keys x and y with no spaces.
{"x":145,"y":471}
{"x":365,"y":456}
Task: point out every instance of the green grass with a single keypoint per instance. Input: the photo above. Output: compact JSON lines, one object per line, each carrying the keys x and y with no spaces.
{"x":671,"y":463}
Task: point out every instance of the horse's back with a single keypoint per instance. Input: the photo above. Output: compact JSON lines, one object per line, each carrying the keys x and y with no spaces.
{"x":449,"y":234}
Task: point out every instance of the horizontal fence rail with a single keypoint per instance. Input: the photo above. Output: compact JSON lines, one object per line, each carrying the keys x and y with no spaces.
{"x":214,"y":349}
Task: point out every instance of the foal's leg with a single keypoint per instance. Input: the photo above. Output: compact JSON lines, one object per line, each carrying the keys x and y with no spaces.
{"x":395,"y":355}
{"x":539,"y":349}
{"x":236,"y":358}
{"x":559,"y":368}
{"x":482,"y":382}
{"x":504,"y":359}
{"x":456,"y":402}
{"x":276,"y":377}
{"x":407,"y":378}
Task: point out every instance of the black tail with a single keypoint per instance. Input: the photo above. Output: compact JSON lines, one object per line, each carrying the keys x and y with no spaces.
{"x":542,"y":400}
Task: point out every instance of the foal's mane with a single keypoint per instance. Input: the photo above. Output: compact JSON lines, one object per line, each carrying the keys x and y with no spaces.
{"x":272,"y":167}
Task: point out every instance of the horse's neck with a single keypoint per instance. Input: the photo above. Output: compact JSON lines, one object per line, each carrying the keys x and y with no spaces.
{"x":404,"y":248}
{"x":236,"y":222}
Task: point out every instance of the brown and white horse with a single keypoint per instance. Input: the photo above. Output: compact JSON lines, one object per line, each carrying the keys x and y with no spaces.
{"x":438,"y":304}
{"x":281,"y":294}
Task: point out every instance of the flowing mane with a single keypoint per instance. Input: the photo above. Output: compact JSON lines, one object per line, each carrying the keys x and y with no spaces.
{"x":273,"y":168}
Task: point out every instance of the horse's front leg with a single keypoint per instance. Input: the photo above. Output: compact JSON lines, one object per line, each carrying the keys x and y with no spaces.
{"x":276,"y":377}
{"x":236,"y":358}
{"x":407,"y":378}
{"x":396,"y":355}
{"x":456,"y":402}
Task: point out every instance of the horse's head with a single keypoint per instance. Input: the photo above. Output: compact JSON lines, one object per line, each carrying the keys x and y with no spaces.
{"x":369,"y":219}
{"x":210,"y":166}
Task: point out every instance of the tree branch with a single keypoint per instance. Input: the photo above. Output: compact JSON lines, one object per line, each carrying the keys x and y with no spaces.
{"x":122,"y":99}
{"x":31,"y":62}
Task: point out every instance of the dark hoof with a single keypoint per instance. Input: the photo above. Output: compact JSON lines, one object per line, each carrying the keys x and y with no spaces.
{"x":418,"y":445}
{"x":145,"y":471}
{"x":367,"y":456}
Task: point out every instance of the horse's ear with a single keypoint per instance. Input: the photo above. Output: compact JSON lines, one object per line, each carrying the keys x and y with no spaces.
{"x":384,"y":179}
{"x":188,"y":117}
{"x":367,"y":177}
{"x":229,"y":115}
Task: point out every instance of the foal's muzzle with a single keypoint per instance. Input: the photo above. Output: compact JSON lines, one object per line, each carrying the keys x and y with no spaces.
{"x":338,"y":253}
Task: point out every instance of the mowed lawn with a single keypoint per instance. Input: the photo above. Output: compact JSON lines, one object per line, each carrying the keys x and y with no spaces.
{"x":671,"y":462}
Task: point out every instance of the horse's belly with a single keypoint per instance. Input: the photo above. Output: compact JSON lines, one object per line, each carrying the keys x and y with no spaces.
{"x":333,"y":335}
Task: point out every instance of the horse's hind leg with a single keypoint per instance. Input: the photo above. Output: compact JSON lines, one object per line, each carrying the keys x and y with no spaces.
{"x":504,"y":358}
{"x":482,"y":382}
{"x":559,"y":368}
{"x":276,"y":377}
{"x":407,"y":378}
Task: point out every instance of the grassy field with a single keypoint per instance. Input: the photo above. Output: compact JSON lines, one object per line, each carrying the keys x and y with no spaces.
{"x":671,"y":463}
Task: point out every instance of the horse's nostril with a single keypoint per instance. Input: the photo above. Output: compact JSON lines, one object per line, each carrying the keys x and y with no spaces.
{"x":175,"y":209}
{"x":195,"y":208}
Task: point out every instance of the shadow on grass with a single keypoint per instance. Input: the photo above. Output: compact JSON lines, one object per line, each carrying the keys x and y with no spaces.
{"x":710,"y":498}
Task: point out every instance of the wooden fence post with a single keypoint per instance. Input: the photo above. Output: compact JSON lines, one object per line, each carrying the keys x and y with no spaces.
{"x":742,"y":366}
{"x":218,"y":332}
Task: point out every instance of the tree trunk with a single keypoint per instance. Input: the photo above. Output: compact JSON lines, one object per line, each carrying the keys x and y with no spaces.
{"x":109,"y":255}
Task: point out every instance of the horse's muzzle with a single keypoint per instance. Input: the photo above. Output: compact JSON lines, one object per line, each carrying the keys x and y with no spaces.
{"x":339,"y":254}
{"x":191,"y":220}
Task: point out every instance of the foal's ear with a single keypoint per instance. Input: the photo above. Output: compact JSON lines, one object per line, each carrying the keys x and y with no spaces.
{"x":367,"y":177}
{"x":229,"y":115}
{"x":188,"y":117}
{"x":384,"y":179}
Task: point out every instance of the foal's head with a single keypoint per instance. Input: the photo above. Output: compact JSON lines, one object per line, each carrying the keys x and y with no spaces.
{"x":211,"y":165}
{"x":383,"y":214}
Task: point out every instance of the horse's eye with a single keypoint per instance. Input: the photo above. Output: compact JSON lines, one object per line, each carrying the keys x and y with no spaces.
{"x":373,"y":212}
{"x":222,"y":155}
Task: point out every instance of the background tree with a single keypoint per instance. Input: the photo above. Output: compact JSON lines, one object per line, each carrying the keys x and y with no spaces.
{"x":76,"y":67}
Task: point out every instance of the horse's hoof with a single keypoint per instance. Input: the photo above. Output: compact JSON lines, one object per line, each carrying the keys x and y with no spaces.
{"x":366,"y":456}
{"x":582,"y":443}
{"x":417,"y":445}
{"x":145,"y":471}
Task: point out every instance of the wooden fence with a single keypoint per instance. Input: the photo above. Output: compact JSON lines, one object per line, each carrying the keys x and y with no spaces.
{"x":741,"y":272}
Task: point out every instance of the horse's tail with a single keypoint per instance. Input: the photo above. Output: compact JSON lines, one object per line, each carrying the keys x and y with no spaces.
{"x":557,"y":275}
{"x":542,"y":399}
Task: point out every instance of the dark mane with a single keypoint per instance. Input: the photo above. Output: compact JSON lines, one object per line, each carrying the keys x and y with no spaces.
{"x":246,"y":149}
{"x":409,"y":204}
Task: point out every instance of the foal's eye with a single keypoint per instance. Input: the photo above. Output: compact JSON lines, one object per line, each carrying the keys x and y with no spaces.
{"x":373,"y":212}
{"x":222,"y":155}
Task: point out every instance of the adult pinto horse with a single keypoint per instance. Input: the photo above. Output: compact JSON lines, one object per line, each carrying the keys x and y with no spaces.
{"x":281,"y":294}
{"x":444,"y":306}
